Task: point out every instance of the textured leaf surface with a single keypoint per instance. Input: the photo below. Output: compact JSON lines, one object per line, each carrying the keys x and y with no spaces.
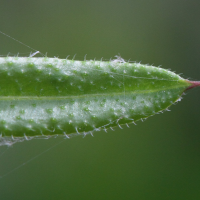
{"x":50,"y":96}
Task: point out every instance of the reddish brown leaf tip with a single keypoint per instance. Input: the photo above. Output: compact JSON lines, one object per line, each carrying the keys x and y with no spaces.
{"x":193,"y":84}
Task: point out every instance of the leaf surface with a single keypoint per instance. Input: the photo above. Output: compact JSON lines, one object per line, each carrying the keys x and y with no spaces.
{"x":50,"y":96}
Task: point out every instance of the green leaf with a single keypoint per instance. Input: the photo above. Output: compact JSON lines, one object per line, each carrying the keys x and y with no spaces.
{"x":51,"y":96}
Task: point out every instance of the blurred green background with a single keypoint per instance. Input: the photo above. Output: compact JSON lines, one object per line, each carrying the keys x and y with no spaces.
{"x":158,"y":158}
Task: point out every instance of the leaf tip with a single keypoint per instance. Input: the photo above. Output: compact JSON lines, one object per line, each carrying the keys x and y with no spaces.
{"x":193,"y":84}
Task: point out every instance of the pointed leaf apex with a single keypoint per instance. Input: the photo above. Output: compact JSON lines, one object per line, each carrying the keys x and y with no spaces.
{"x":193,"y":84}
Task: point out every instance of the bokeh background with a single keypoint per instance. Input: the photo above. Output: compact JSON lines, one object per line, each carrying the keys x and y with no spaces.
{"x":156,"y":159}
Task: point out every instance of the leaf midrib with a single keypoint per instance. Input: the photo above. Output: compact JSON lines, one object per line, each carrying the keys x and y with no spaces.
{"x":85,"y":95}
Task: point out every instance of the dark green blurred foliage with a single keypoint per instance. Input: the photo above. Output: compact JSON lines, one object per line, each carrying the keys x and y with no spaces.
{"x":157,"y":159}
